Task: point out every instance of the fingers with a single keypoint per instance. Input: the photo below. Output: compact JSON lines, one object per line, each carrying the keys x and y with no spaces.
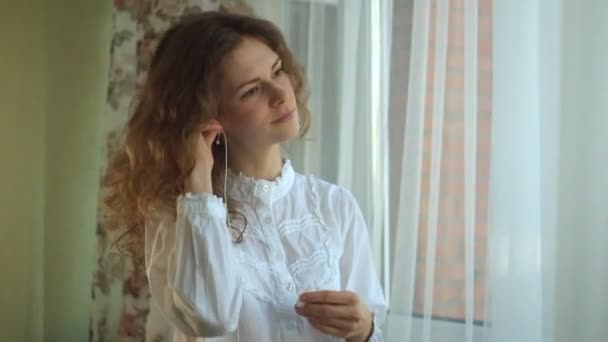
{"x":329,"y":330}
{"x":338,"y":324}
{"x":330,"y":297}
{"x":210,"y":130}
{"x":328,"y":311}
{"x":210,"y":135}
{"x":336,"y":313}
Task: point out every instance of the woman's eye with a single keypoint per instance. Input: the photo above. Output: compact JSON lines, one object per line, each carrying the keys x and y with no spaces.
{"x":250,"y":92}
{"x":279,"y":71}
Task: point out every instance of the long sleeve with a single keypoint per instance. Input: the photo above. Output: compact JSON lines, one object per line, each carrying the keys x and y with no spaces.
{"x":191,"y":268}
{"x":357,"y":271}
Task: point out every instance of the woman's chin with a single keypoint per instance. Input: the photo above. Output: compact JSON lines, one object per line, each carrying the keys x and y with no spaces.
{"x":287,"y":131}
{"x":286,"y":137}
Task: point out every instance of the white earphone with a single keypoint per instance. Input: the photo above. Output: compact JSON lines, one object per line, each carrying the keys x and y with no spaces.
{"x":217,"y":142}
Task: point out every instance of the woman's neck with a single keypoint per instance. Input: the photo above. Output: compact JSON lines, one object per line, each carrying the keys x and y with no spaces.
{"x":261,"y":164}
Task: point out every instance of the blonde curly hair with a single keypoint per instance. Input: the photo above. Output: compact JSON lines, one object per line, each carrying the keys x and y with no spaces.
{"x":146,"y":173}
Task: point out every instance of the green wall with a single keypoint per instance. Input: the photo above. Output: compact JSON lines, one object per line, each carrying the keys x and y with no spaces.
{"x":53,"y":71}
{"x":22,"y":136}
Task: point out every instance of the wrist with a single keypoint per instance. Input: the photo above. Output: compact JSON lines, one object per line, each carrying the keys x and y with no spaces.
{"x":367,"y":332}
{"x":198,"y":184}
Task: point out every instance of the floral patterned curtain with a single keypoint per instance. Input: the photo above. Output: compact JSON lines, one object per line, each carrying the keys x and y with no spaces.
{"x":121,"y":295}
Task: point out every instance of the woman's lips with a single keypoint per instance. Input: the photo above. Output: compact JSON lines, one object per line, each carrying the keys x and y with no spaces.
{"x":284,"y":117}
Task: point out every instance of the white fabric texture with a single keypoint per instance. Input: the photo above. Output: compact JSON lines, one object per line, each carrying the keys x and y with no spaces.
{"x":303,"y":234}
{"x":544,"y":268}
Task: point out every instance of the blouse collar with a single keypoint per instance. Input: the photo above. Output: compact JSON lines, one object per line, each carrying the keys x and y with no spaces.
{"x":250,"y":189}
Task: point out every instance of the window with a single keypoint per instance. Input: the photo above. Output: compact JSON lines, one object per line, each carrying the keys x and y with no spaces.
{"x":449,"y":277}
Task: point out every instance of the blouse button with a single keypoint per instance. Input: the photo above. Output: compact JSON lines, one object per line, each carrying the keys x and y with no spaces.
{"x":266,"y":188}
{"x":268,"y":220}
{"x":291,"y":325}
{"x":289,"y":286}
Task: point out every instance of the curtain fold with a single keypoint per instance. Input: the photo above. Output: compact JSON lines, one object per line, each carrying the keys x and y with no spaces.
{"x":440,"y":170}
{"x":515,"y":238}
{"x":500,"y":178}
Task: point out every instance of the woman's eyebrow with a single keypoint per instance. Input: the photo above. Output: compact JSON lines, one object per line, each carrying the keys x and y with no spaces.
{"x":257,"y":78}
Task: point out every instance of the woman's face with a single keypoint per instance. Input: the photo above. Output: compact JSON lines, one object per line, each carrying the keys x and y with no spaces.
{"x":257,"y":102}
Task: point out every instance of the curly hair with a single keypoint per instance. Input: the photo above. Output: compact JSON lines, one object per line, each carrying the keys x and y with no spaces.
{"x":146,"y":173}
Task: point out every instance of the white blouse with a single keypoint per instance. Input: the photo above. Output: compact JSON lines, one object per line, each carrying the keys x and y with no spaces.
{"x":303,"y":234}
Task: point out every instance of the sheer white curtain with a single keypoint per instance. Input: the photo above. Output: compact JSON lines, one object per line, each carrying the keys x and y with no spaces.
{"x":582,"y":272}
{"x":550,"y":119}
{"x":528,"y":214}
{"x":473,"y":249}
{"x":524,"y":170}
{"x":440,"y":220}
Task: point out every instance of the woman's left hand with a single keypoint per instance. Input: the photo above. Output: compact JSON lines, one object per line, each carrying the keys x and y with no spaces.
{"x":337,"y":313}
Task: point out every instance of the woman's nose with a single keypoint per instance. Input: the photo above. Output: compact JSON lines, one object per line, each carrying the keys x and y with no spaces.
{"x":277,"y":94}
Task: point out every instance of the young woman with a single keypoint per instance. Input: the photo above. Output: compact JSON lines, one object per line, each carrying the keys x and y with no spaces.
{"x":237,"y":244}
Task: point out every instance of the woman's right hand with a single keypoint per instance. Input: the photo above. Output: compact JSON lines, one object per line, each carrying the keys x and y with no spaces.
{"x":199,"y":180}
